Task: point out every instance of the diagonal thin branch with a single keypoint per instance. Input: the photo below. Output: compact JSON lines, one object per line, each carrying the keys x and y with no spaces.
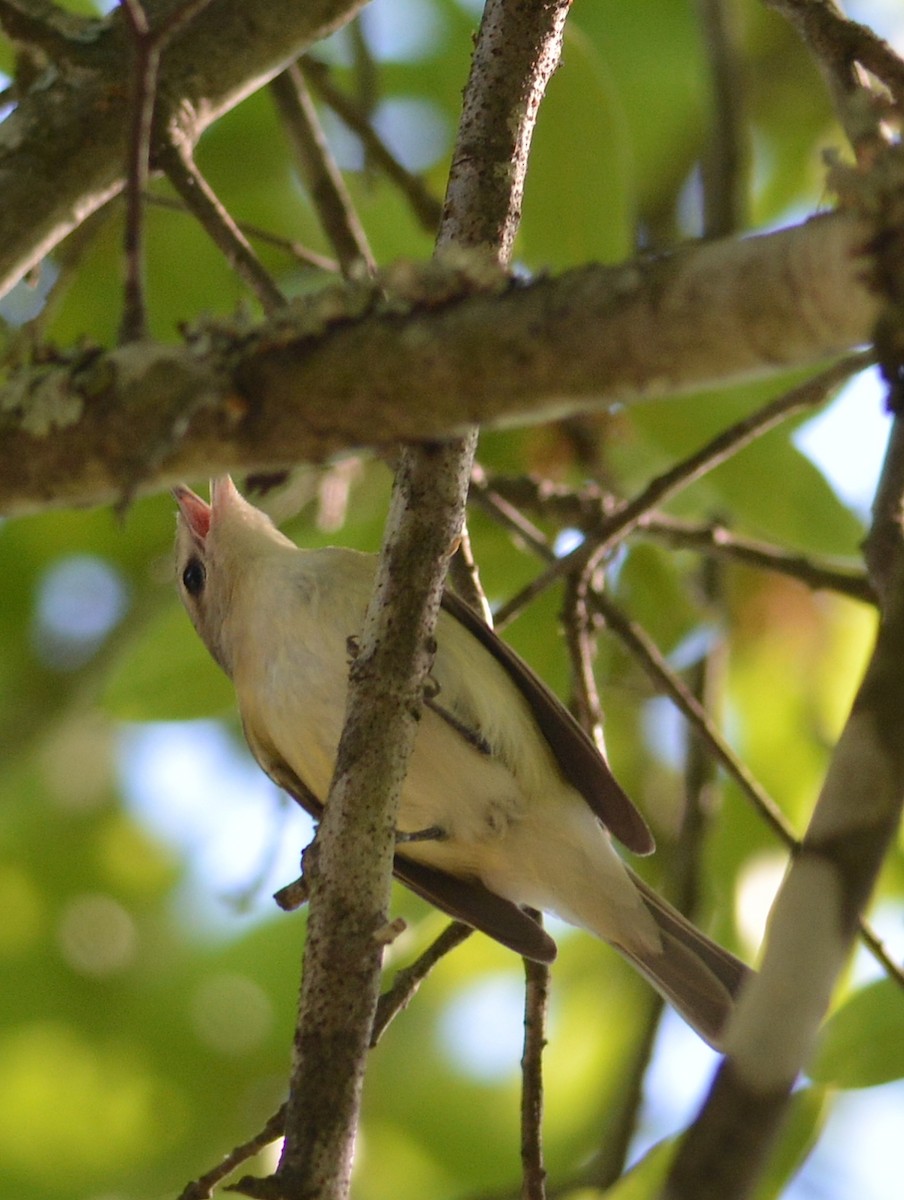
{"x":649,"y":656}
{"x":651,"y":659}
{"x":177,"y":161}
{"x":725,"y":166}
{"x":581,"y":648}
{"x":625,"y":517}
{"x":425,"y":206}
{"x":318,"y":167}
{"x":409,"y":979}
{"x":307,"y":257}
{"x":147,"y":46}
{"x":719,"y":542}
{"x":835,"y":40}
{"x":203,"y":1187}
{"x":610,"y":1160}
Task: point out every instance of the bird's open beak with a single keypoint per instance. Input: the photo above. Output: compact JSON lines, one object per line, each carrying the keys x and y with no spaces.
{"x":195,"y":512}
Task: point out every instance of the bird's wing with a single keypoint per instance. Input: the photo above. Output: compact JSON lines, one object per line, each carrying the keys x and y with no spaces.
{"x":578,"y":758}
{"x":466,"y":900}
{"x":469,"y":901}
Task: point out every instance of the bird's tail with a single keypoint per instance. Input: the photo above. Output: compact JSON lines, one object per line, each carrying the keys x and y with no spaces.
{"x":692,"y":972}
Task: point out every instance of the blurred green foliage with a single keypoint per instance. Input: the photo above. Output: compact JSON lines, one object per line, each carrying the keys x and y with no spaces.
{"x":138,"y":1043}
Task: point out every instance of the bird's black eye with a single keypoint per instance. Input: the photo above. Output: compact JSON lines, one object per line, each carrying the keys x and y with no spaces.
{"x":194,"y":577}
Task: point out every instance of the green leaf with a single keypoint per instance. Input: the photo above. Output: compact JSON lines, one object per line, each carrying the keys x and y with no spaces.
{"x":567,"y":190}
{"x":663,"y":107}
{"x":861,"y":1044}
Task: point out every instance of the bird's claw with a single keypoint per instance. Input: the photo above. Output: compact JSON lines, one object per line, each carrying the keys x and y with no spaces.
{"x":433,"y":833}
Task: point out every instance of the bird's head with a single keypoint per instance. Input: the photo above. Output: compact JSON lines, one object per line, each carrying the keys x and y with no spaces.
{"x":219,"y":549}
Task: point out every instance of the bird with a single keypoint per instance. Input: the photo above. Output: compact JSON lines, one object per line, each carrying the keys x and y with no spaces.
{"x":507,"y":805}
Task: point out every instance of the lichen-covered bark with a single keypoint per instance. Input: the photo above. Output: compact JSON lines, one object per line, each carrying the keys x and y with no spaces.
{"x":425,"y":355}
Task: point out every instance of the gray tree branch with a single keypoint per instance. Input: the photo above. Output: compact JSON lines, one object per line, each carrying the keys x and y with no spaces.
{"x":454,"y":346}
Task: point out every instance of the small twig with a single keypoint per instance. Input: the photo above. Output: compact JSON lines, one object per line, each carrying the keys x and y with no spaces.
{"x":176,"y":161}
{"x":649,"y":656}
{"x":365,"y":70}
{"x":581,"y":648}
{"x":464,"y":574}
{"x":725,"y":161}
{"x":148,"y":45}
{"x":700,"y":773}
{"x":176,"y":20}
{"x":536,"y":1010}
{"x":507,"y":514}
{"x":202,"y":1188}
{"x":509,"y":609}
{"x":833,"y":39}
{"x":425,"y":206}
{"x":881,"y":545}
{"x":724,"y":445}
{"x":609,"y":1163}
{"x":718,"y":542}
{"x":880,"y":952}
{"x":292,"y":896}
{"x":147,"y":48}
{"x":410,"y":978}
{"x":318,"y":167}
{"x":309,"y":258}
{"x":390,"y":932}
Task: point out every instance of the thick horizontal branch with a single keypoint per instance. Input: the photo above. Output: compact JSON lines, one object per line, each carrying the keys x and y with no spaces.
{"x":425,"y":352}
{"x":63,"y":149}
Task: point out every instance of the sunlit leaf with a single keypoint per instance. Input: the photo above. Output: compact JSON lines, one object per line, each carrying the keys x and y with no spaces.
{"x":566,"y":190}
{"x":861,"y":1044}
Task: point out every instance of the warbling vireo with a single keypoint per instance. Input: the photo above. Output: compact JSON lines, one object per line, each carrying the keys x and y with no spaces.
{"x":516,"y":802}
